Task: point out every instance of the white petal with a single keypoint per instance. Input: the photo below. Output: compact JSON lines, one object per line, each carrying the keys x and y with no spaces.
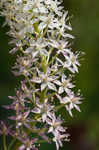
{"x":50,"y":129}
{"x":41,"y":26}
{"x":44,"y":52}
{"x":57,"y":145}
{"x":61,"y":90}
{"x":65,"y":100}
{"x":51,"y":116}
{"x":34,"y":54}
{"x":77,"y":107}
{"x":63,"y":77}
{"x":75,"y":67}
{"x":59,"y":97}
{"x":57,"y":82}
{"x":36,"y":110}
{"x":69,"y":110}
{"x":29,"y":50}
{"x":22,"y":147}
{"x":60,"y":143}
{"x":49,"y":121}
{"x":71,"y":106}
{"x":60,"y":128}
{"x":60,"y":61}
{"x":36,"y":80}
{"x":43,"y":86}
{"x":52,"y":86}
{"x":68,"y":36}
{"x":44,"y":117}
{"x":67,"y":90}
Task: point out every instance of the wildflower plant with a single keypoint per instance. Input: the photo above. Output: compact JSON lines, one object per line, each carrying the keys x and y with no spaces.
{"x":47,"y":64}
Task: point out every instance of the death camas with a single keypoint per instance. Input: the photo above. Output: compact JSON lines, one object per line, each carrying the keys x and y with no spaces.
{"x":47,"y":64}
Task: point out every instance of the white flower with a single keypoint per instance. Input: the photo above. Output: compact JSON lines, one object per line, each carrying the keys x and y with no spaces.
{"x":70,"y":101}
{"x":46,"y":80}
{"x":64,"y":64}
{"x":53,"y":6}
{"x":65,"y":85}
{"x":63,"y":27}
{"x":26,"y":143}
{"x":55,"y":124}
{"x":60,"y":45}
{"x":44,"y":109}
{"x":59,"y":138}
{"x":37,"y":47}
{"x":73,"y":62}
{"x":48,"y":21}
{"x":73,"y":102}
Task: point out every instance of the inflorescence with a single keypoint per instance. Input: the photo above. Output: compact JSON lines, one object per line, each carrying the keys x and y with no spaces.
{"x":47,"y":64}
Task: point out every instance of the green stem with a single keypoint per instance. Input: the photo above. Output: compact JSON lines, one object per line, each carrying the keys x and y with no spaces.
{"x":4,"y":142}
{"x":43,"y":141}
{"x":59,"y":36}
{"x":45,"y":31}
{"x":11,"y":144}
{"x":33,"y":98}
{"x":38,"y":130}
{"x":59,"y":107}
{"x":53,"y":59}
{"x":50,"y":95}
{"x":27,"y":78}
{"x":50,"y":51}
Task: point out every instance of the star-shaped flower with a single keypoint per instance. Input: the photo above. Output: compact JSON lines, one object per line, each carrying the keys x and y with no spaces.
{"x":65,"y":84}
{"x":70,"y":101}
{"x":46,"y":80}
{"x":44,"y":109}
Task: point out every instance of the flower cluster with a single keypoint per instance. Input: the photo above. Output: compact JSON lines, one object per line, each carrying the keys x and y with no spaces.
{"x":44,"y":58}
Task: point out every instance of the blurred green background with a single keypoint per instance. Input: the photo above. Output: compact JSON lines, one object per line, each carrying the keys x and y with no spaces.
{"x":84,"y":126}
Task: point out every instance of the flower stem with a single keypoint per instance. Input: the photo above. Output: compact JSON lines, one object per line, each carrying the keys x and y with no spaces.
{"x":4,"y":142}
{"x":59,"y":107}
{"x":11,"y":144}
